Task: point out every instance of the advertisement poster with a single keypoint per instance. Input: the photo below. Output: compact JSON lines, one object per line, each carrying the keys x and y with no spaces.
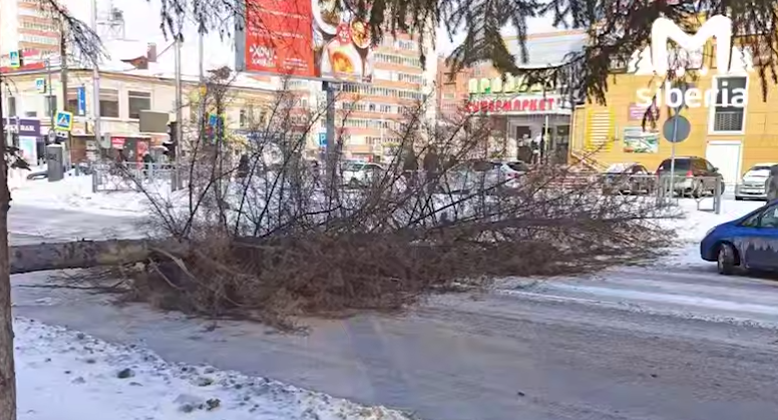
{"x":636,"y":140}
{"x":308,"y":38}
{"x":29,"y":150}
{"x":638,"y":112}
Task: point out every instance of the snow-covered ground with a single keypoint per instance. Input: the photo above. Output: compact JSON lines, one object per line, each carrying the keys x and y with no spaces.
{"x":66,"y":375}
{"x":75,"y":193}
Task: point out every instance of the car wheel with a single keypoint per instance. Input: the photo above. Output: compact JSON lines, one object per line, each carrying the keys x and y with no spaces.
{"x":726,"y":260}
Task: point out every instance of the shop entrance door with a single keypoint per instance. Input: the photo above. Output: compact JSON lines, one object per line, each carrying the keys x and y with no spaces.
{"x":523,"y":140}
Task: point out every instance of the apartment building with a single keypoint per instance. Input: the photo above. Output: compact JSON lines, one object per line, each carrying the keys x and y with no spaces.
{"x":373,"y":114}
{"x":24,"y":26}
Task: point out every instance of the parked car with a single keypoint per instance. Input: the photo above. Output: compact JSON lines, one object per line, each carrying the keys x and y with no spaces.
{"x":487,"y":174}
{"x":753,"y":186}
{"x":361,"y":174}
{"x":628,"y":178}
{"x":749,"y":242}
{"x":694,"y":176}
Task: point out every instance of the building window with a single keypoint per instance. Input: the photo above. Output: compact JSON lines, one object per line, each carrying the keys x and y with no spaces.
{"x":11,"y":106}
{"x":137,"y":102}
{"x":109,"y":103}
{"x":50,"y":105}
{"x":726,"y":117}
{"x":72,"y":103}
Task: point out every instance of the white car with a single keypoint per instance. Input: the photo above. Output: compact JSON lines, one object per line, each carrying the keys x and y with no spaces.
{"x":754,"y":182}
{"x":360,"y":174}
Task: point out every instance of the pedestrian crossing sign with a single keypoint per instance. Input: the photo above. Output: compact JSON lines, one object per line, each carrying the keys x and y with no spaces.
{"x":64,"y":121}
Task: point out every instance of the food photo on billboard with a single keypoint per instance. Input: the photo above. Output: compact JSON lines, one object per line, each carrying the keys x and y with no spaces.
{"x":308,"y":38}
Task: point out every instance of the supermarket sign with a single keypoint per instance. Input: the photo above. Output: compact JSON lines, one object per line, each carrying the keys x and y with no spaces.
{"x":515,"y":105}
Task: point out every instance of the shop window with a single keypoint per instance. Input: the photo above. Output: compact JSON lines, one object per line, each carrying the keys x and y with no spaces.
{"x":109,"y":103}
{"x":137,"y":102}
{"x":11,"y":106}
{"x":72,"y":103}
{"x":726,"y":117}
{"x":50,"y":105}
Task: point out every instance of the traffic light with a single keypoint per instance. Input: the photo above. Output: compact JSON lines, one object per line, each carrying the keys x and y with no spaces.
{"x":172,"y":143}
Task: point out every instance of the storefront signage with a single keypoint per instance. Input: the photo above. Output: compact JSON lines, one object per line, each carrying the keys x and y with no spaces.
{"x":24,"y":127}
{"x":512,"y":84}
{"x":516,"y":104}
{"x":638,"y":112}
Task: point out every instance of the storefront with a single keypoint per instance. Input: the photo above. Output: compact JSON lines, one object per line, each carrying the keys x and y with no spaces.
{"x":529,"y":123}
{"x":30,"y":142}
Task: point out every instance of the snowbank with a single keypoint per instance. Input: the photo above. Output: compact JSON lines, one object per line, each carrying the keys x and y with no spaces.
{"x":64,"y":375}
{"x":75,"y":193}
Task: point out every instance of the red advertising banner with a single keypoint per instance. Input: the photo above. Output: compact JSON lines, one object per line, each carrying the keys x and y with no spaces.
{"x":307,"y":38}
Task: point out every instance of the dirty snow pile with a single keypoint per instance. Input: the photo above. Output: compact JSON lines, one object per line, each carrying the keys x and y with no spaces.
{"x":65,"y":375}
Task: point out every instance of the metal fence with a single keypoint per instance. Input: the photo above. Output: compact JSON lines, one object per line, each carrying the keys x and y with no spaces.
{"x":128,"y":177}
{"x":706,"y":191}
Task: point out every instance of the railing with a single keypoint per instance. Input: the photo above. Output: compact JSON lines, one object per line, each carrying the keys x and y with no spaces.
{"x":128,"y":176}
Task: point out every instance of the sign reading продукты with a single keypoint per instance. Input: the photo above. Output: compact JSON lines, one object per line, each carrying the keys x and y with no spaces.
{"x":63,"y":121}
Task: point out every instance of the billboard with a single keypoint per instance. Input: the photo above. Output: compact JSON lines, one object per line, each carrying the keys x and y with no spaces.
{"x":306,"y":38}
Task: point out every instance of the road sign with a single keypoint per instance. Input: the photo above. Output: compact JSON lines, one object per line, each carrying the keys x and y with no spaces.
{"x":81,"y":97}
{"x":63,"y":121}
{"x":16,"y":61}
{"x":676,"y":129}
{"x":322,"y":139}
{"x":40,"y":85}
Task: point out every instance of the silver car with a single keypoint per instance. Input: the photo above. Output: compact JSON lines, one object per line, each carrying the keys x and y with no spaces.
{"x":753,"y":185}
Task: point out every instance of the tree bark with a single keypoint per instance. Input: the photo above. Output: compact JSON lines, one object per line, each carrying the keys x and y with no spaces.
{"x":85,"y":254}
{"x":7,"y":372}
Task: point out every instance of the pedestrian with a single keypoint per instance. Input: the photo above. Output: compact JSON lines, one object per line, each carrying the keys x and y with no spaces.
{"x":431,"y":165}
{"x":772,"y":184}
{"x":243,"y":166}
{"x":410,"y":166}
{"x":148,"y":162}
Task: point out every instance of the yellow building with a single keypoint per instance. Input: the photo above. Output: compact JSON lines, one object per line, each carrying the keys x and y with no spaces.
{"x":732,"y":138}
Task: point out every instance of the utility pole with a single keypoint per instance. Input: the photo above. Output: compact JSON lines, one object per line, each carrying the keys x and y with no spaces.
{"x":49,"y":92}
{"x":96,"y":84}
{"x":63,"y":76}
{"x":174,"y":181}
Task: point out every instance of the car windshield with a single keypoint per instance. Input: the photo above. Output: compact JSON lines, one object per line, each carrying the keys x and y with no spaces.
{"x":353,"y":166}
{"x":518,"y":166}
{"x":680,"y":165}
{"x":761,"y":168}
{"x":618,"y":168}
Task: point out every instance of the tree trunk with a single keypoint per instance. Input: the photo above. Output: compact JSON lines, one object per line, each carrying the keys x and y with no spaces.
{"x":85,"y":254}
{"x":7,"y":372}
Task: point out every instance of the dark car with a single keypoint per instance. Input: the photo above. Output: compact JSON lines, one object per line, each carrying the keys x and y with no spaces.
{"x":749,"y":242}
{"x":693,"y":176}
{"x":628,"y":178}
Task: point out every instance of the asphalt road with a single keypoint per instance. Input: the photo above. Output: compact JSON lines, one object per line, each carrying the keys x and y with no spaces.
{"x":632,"y":344}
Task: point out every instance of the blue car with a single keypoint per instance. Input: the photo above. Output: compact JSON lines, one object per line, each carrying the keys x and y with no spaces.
{"x":750,"y":242}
